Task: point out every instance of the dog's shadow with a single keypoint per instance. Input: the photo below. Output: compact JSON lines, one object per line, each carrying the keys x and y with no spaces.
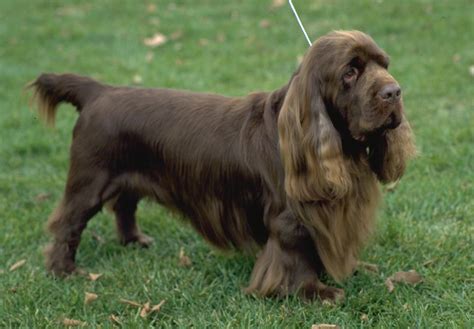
{"x":100,"y":250}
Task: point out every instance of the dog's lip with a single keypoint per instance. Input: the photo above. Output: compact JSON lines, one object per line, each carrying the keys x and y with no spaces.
{"x":360,"y":137}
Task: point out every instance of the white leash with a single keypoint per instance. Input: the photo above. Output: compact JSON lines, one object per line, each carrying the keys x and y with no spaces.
{"x":299,"y":22}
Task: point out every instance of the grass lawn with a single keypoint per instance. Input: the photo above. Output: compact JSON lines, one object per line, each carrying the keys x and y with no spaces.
{"x":235,"y":47}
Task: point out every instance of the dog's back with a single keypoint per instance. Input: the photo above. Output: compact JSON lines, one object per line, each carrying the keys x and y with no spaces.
{"x":182,"y":149}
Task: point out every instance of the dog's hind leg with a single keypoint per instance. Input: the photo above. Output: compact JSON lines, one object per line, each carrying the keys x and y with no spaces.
{"x":125,"y":208}
{"x":81,"y":201}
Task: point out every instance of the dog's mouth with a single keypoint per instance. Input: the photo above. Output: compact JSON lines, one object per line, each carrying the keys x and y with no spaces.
{"x":365,"y":133}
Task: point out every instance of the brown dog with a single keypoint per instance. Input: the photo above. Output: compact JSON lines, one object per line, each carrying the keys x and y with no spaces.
{"x":293,"y":171}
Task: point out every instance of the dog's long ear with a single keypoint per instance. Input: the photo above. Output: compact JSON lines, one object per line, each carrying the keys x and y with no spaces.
{"x":388,"y":155}
{"x":310,"y":146}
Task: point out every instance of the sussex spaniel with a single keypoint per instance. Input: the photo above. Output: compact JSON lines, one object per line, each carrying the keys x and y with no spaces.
{"x":294,"y":171}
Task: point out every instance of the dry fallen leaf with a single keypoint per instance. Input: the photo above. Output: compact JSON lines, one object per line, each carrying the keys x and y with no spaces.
{"x":410,"y":277}
{"x":72,"y":323}
{"x":18,"y":264}
{"x":156,"y":40}
{"x":183,"y":259}
{"x":277,"y":3}
{"x":368,"y":266}
{"x":157,"y":307}
{"x":94,"y":276}
{"x":89,"y":298}
{"x":389,"y":284}
{"x":151,"y":7}
{"x":130,"y":302}
{"x":364,"y":317}
{"x":145,"y":310}
{"x":115,"y":319}
{"x":324,"y":326}
{"x":456,"y":58}
{"x":264,"y":23}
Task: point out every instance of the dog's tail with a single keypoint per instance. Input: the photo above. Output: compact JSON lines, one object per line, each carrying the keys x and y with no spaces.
{"x":52,"y":89}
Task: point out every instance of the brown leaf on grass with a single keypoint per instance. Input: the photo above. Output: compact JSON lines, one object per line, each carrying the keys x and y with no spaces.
{"x":157,"y":307}
{"x":277,"y":3}
{"x":115,"y":319}
{"x":17,"y":265}
{"x":94,"y":276}
{"x":264,"y":23}
{"x":324,"y":326}
{"x":145,"y":310}
{"x":89,"y":298}
{"x":72,"y":323}
{"x":410,"y":277}
{"x":156,"y":40}
{"x":130,"y":302}
{"x":389,"y":284}
{"x":183,"y":259}
{"x":456,"y":58}
{"x":368,"y":266}
{"x":41,"y":197}
{"x":151,"y":7}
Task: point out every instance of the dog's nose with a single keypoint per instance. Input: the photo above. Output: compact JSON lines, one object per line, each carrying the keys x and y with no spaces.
{"x":390,"y":93}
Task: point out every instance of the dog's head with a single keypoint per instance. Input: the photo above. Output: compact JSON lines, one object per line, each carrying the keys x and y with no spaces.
{"x":342,"y":91}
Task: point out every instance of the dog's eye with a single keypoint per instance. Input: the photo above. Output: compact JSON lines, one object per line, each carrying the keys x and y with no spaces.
{"x":350,"y":75}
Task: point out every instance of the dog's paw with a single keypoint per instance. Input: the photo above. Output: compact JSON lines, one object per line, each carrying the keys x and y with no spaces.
{"x":331,"y":295}
{"x":141,"y":239}
{"x":58,"y":260}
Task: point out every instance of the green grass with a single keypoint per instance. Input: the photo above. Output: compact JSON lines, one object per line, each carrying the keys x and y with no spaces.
{"x":428,"y":218}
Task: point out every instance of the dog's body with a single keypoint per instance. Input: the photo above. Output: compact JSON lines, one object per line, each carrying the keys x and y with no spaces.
{"x":231,"y":166}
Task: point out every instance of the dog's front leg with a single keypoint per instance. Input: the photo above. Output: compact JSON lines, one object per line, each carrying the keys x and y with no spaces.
{"x":289,"y":264}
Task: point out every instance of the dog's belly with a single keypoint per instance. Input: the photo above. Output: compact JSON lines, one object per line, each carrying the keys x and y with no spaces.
{"x":227,"y":213}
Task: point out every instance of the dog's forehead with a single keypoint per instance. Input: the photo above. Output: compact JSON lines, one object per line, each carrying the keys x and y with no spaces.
{"x":370,"y":52}
{"x":350,"y":44}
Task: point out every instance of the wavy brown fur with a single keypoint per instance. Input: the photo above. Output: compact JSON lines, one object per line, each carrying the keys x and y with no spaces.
{"x":292,"y":171}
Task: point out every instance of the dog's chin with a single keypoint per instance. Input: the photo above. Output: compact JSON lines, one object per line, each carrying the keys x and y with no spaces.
{"x":377,"y":132}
